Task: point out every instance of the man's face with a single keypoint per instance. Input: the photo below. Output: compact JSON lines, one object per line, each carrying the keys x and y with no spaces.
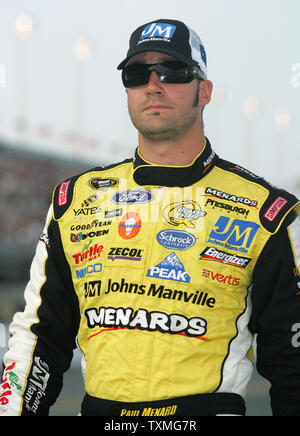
{"x":163,"y":111}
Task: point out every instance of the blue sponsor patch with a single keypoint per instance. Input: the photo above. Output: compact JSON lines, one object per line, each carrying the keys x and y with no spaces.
{"x":175,"y":239}
{"x":158,"y":30}
{"x":235,"y":235}
{"x":132,"y":196}
{"x":170,"y":269}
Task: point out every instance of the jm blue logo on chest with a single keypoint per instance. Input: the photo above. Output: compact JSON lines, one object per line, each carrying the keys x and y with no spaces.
{"x":237,"y":233}
{"x":162,"y":30}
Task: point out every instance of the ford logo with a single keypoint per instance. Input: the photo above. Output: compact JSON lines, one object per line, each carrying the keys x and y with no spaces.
{"x":175,"y":239}
{"x":132,"y":196}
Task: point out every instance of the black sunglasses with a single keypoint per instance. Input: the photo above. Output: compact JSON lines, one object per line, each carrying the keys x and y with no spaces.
{"x":168,"y":72}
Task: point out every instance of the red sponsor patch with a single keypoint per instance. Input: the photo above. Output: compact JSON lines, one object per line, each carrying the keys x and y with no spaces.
{"x":275,"y":208}
{"x":63,"y":193}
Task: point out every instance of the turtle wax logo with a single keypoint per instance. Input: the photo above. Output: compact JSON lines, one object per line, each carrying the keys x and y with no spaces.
{"x":158,"y":31}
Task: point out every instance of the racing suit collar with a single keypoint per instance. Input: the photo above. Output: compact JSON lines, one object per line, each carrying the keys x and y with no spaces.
{"x":146,"y":173}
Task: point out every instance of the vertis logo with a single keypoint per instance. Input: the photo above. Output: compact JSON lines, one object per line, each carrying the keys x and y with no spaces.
{"x":235,"y":235}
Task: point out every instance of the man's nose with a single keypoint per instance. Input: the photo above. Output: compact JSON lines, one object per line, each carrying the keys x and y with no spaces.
{"x":154,"y":85}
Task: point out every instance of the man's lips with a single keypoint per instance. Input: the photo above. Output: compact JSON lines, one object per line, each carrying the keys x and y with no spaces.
{"x":156,"y":107}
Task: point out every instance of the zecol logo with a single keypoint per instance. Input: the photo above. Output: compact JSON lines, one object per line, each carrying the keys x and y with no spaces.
{"x":130,"y":225}
{"x":175,"y":239}
{"x":158,"y":30}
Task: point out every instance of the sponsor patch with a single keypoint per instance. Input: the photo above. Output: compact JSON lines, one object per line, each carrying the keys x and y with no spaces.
{"x":78,"y":237}
{"x":233,"y":234}
{"x":89,"y":269}
{"x":170,"y":269}
{"x":211,"y":253}
{"x":112,"y":318}
{"x":98,"y":183}
{"x":132,"y":196}
{"x":230,"y":197}
{"x":221,"y":278}
{"x":90,"y":254}
{"x":175,"y":239}
{"x":159,"y":31}
{"x":275,"y":208}
{"x":184,"y":212}
{"x":63,"y":193}
{"x":130,"y":225}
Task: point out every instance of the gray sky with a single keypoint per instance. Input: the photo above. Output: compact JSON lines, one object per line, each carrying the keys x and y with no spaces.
{"x":252,"y":49}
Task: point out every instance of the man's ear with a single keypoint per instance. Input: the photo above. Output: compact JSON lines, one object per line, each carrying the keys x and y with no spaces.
{"x":205,"y":92}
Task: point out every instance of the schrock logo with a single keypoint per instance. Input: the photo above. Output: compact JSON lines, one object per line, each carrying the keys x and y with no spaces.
{"x":175,"y":239}
{"x":142,"y":319}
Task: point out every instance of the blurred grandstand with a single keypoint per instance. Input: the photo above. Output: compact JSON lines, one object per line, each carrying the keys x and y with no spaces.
{"x":27,"y":180}
{"x":26,"y":184}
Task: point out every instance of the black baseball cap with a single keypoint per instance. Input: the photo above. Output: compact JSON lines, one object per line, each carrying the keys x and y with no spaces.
{"x":171,"y":37}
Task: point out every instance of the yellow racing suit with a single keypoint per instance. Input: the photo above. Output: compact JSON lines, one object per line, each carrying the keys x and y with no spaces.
{"x":161,"y":276}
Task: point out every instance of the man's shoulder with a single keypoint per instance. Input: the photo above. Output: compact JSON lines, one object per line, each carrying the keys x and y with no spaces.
{"x":274,"y":203}
{"x":97,"y":178}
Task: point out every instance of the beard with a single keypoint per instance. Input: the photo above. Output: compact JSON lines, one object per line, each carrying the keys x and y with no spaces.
{"x":162,"y":129}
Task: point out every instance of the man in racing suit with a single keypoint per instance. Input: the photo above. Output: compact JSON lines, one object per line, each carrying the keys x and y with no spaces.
{"x":161,"y":268}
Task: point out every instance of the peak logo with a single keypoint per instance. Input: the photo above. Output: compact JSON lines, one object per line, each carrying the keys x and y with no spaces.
{"x":170,"y":269}
{"x":227,"y":280}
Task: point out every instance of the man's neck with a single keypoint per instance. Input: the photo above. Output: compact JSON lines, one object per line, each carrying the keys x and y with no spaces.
{"x":179,"y":153}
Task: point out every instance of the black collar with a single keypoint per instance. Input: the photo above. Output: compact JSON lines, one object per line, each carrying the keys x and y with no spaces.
{"x":146,"y":173}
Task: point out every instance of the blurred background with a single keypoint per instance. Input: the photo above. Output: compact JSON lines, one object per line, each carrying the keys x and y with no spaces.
{"x":63,"y":110}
